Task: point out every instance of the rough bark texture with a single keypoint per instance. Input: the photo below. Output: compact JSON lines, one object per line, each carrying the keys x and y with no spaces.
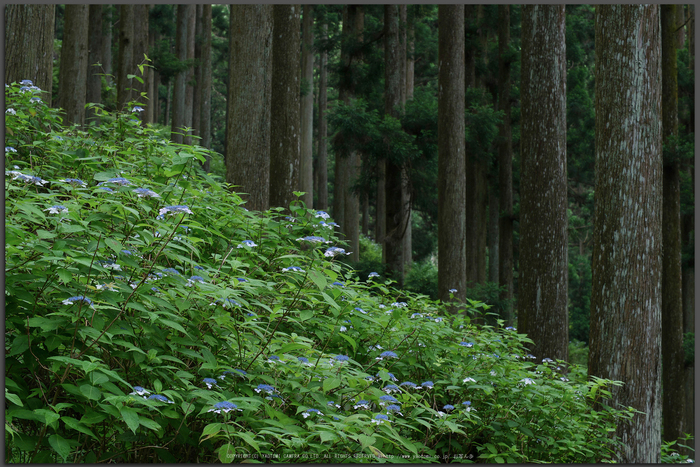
{"x":29,"y":31}
{"x":151,"y":114}
{"x":72,"y":77}
{"x":126,"y":55}
{"x":451,"y":146}
{"x":410,"y":59}
{"x":671,"y":285}
{"x":542,"y":301}
{"x":284,"y":125}
{"x":625,"y":334}
{"x":322,"y":167}
{"x":406,"y":199}
{"x":395,"y":213}
{"x":307,"y":107}
{"x":190,"y":76}
{"x":469,"y":46}
{"x":492,"y":235}
{"x":205,"y":85}
{"x":248,"y":111}
{"x":197,"y":96}
{"x":179,"y":88}
{"x":107,"y":11}
{"x":94,"y":81}
{"x":505,"y":164}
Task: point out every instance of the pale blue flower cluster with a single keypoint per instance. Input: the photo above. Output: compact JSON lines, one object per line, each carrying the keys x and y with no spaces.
{"x":247,"y":243}
{"x":26,"y":178}
{"x":225,"y":407}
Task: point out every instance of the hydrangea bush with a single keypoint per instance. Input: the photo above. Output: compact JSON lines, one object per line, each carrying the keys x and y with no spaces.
{"x":151,"y":318}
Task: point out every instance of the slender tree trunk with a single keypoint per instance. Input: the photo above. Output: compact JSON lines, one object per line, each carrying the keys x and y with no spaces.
{"x":410,"y":59}
{"x":107,"y":41}
{"x":72,"y":76}
{"x":179,"y":90}
{"x":94,"y":81}
{"x":680,"y":33}
{"x":451,"y":147}
{"x":625,"y":335}
{"x":543,"y":298}
{"x":189,"y":77}
{"x":29,"y":31}
{"x":285,"y":138}
{"x":151,"y":115}
{"x":323,"y":127}
{"x":470,"y":43}
{"x":365,"y":214}
{"x":126,"y":56}
{"x":505,"y":164}
{"x":671,"y":285}
{"x":307,"y":107}
{"x":248,"y":103}
{"x":168,"y":102}
{"x":197,"y":95}
{"x":206,"y":83}
{"x":492,"y":235}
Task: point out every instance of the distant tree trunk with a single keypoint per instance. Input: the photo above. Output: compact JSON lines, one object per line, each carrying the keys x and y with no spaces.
{"x":395,"y":213}
{"x":179,"y":90}
{"x":197,"y":94}
{"x":671,"y":285}
{"x":407,"y":242}
{"x":365,"y":214}
{"x":625,"y":334}
{"x":543,"y":297}
{"x":492,"y":235}
{"x":410,"y":59}
{"x":248,"y":103}
{"x":107,"y":41}
{"x":307,"y":108}
{"x":140,"y":49}
{"x":285,"y":138}
{"x":323,"y":127}
{"x":29,"y":31}
{"x":206,"y":83}
{"x":72,"y":76}
{"x":151,"y":115}
{"x":94,"y":81}
{"x":451,"y":147}
{"x":168,"y":102}
{"x":189,"y":77}
{"x":126,"y":56}
{"x":470,"y":36}
{"x":680,"y":33}
{"x":505,"y":164}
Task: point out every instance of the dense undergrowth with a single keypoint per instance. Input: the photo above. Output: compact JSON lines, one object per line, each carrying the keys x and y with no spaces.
{"x":151,"y":318}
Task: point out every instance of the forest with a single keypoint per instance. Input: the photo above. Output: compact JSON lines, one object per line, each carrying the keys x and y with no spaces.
{"x":349,"y":233}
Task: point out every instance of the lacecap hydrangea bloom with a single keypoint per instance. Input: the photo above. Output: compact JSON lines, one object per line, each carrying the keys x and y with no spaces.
{"x":312,"y":239}
{"x":160,"y":398}
{"x":225,"y":407}
{"x":77,"y":298}
{"x":308,"y":412}
{"x":380,"y":418}
{"x":145,"y":193}
{"x":322,"y":215}
{"x":247,"y":243}
{"x":57,"y":209}
{"x":335,"y":251}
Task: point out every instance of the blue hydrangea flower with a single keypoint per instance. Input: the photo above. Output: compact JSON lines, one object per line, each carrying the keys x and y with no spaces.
{"x":332,"y":404}
{"x":247,"y":243}
{"x":304,"y":361}
{"x":448,"y":407}
{"x":155,"y":289}
{"x":452,"y":291}
{"x":427,"y":384}
{"x":225,"y":407}
{"x":510,"y":328}
{"x":266,"y":388}
{"x":341,"y":358}
{"x":145,"y":193}
{"x":466,"y":344}
{"x":9,"y":149}
{"x":339,"y":284}
{"x":137,"y":109}
{"x":312,"y":239}
{"x":547,"y":360}
{"x":380,"y":418}
{"x":391,"y":376}
{"x":530,"y":356}
{"x":74,"y":181}
{"x":387,"y":354}
{"x":160,"y":398}
{"x":335,"y":251}
{"x":139,"y":391}
{"x":57,"y":209}
{"x":387,"y":399}
{"x":389,"y":388}
{"x":467,"y":403}
{"x":11,"y":111}
{"x":117,"y":181}
{"x":362,"y":404}
{"x":26,"y":82}
{"x":408,"y":384}
{"x":308,"y":412}
{"x":361,"y":310}
{"x":199,"y":267}
{"x":273,"y":359}
{"x":322,"y":215}
{"x":343,"y":329}
{"x":293,"y":268}
{"x":373,"y":274}
{"x":394,"y":408}
{"x":77,"y":298}
{"x":527,"y":381}
{"x":209,"y":382}
{"x":172,"y":210}
{"x":171,"y":271}
{"x":469,"y":380}
{"x":191,"y":281}
{"x":105,"y":188}
{"x":399,"y":304}
{"x":35,"y":99}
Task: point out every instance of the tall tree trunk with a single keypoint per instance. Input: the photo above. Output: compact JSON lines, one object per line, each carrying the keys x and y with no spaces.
{"x":139,"y":51}
{"x":451,"y":147}
{"x":625,"y":335}
{"x":206,"y":83}
{"x":680,"y":33}
{"x":470,"y":43}
{"x":94,"y":80}
{"x":543,"y":298}
{"x":323,"y":127}
{"x":505,"y":164}
{"x":410,"y":51}
{"x":72,"y":76}
{"x":168,"y":102}
{"x":107,"y":12}
{"x":671,"y":287}
{"x":365,"y":214}
{"x":197,"y":95}
{"x":284,"y":124}
{"x":179,"y":89}
{"x":126,"y":56}
{"x":492,"y":235}
{"x":151,"y":115}
{"x":395,"y":214}
{"x":29,"y":31}
{"x":248,"y":103}
{"x":189,"y":77}
{"x":307,"y":107}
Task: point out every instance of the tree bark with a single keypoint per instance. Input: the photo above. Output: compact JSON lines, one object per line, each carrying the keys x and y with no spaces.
{"x":492,"y":235}
{"x":107,"y":11}
{"x":410,"y":59}
{"x":285,"y":132}
{"x":197,"y":95}
{"x":189,"y":77}
{"x":94,"y":80}
{"x":625,"y":334}
{"x":671,"y":285}
{"x":72,"y":77}
{"x":451,"y":160}
{"x":206,"y":83}
{"x":248,"y":109}
{"x":543,"y":279}
{"x":29,"y":31}
{"x":323,"y":127}
{"x":126,"y":56}
{"x":179,"y":89}
{"x":307,"y":108}
{"x":505,"y":164}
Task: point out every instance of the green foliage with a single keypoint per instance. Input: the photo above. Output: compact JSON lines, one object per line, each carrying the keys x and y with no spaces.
{"x":150,"y":317}
{"x":689,"y":348}
{"x":670,"y":455}
{"x":422,"y":278}
{"x":578,"y":353}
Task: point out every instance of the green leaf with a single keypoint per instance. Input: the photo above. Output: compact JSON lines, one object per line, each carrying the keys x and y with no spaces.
{"x":131,"y":417}
{"x":491,"y":448}
{"x":330,"y":383}
{"x":248,"y":439}
{"x":60,"y":445}
{"x":49,"y":416}
{"x":91,"y":392}
{"x":318,"y":279}
{"x":210,"y":430}
{"x":65,"y":275}
{"x":14,"y":398}
{"x":76,"y":425}
{"x":114,"y":245}
{"x":366,"y":440}
{"x":227,"y":453}
{"x":150,"y":424}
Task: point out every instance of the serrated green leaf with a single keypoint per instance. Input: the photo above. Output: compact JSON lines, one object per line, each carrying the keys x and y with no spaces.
{"x":330,"y":383}
{"x":60,"y":445}
{"x":248,"y":439}
{"x":114,"y":245}
{"x":131,"y":417}
{"x":49,"y":416}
